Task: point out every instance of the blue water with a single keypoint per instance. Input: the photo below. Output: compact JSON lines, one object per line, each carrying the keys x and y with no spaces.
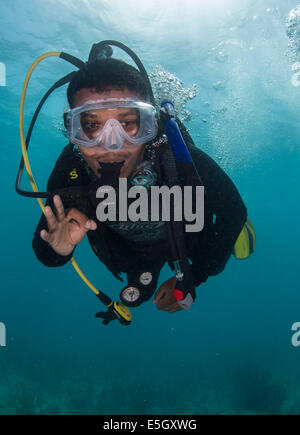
{"x":232,"y":352}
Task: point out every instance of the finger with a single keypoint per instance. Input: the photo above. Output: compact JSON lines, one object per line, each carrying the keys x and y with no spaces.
{"x":165,"y":307}
{"x":161,"y":293}
{"x":60,"y":211}
{"x":167,"y":301}
{"x":91,"y":225}
{"x":51,"y":219}
{"x":173,"y":308}
{"x":165,"y":304}
{"x":47,"y":237}
{"x":164,"y":288}
{"x":159,"y":296}
{"x":81,"y":219}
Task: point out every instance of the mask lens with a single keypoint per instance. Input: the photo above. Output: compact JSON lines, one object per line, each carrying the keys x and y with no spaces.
{"x":132,"y":121}
{"x":92,"y":122}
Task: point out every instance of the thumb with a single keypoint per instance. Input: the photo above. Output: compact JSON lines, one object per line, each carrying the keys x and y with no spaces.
{"x":160,"y":294}
{"x":91,"y":225}
{"x":77,"y":217}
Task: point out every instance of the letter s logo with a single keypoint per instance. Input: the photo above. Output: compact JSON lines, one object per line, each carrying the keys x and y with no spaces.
{"x":73,"y":174}
{"x":296,"y":336}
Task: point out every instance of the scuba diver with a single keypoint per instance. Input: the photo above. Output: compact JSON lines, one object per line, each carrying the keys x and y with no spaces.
{"x":117,"y":132}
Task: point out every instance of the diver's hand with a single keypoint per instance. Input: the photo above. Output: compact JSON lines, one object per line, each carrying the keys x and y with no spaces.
{"x":165,"y":299}
{"x":65,"y":230}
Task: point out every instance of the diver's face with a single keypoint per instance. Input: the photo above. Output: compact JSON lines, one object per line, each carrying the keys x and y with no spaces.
{"x":131,"y":156}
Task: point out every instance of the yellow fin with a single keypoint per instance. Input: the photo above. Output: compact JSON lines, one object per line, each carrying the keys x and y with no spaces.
{"x":245,"y":244}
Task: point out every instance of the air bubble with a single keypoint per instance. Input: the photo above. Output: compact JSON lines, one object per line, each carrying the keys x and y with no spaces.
{"x":219,"y":85}
{"x":167,"y":85}
{"x":59,"y":126}
{"x":293,"y":30}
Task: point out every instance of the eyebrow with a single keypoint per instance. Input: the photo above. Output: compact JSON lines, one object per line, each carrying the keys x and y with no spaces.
{"x":131,"y":112}
{"x":87,"y":114}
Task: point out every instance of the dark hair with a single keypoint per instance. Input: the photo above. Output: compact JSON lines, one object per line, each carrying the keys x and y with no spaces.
{"x":104,"y":73}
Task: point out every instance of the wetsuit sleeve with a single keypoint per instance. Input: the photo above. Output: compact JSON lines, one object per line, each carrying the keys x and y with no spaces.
{"x":226,"y":207}
{"x":42,"y":249}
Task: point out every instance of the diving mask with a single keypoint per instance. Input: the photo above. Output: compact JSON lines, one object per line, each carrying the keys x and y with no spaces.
{"x":112,"y":123}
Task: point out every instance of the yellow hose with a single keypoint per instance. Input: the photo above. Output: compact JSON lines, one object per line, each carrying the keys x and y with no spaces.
{"x":25,"y":156}
{"x":83,"y":277}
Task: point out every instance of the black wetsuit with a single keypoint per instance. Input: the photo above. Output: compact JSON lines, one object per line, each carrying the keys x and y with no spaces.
{"x":135,"y":248}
